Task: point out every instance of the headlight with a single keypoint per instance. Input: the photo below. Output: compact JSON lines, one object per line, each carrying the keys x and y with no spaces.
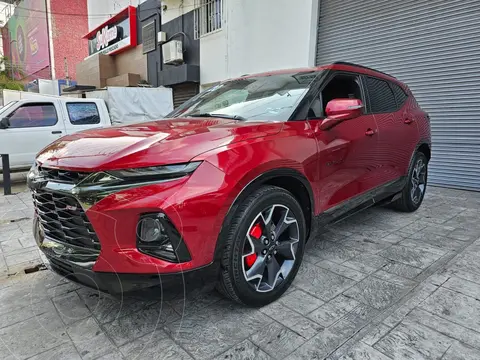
{"x":156,"y":172}
{"x":33,"y":172}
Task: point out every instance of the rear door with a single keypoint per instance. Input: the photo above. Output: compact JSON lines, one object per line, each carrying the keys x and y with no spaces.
{"x":397,"y":129}
{"x":33,"y":126}
{"x":82,"y":115}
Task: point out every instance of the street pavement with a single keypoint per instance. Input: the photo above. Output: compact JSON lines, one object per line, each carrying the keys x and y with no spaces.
{"x":379,"y":285}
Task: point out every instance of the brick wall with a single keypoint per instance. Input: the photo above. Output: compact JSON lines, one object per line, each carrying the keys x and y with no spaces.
{"x":67,"y":33}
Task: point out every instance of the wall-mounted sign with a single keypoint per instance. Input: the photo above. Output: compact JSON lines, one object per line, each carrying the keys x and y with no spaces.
{"x":117,"y":34}
{"x":25,"y":39}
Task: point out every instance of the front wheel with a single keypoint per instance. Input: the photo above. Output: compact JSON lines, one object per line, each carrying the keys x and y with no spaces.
{"x":414,"y":190}
{"x":264,"y":247}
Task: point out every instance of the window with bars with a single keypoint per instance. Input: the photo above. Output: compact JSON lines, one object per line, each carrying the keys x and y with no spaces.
{"x":208,"y":17}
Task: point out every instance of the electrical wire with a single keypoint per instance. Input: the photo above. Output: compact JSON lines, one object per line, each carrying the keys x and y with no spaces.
{"x":97,"y":15}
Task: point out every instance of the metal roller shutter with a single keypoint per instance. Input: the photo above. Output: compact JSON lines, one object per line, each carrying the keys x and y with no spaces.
{"x":183,"y":92}
{"x":434,"y":47}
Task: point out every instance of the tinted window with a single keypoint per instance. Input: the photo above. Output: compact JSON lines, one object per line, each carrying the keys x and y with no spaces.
{"x":83,"y":113}
{"x":33,"y":115}
{"x":400,"y":95}
{"x":381,"y":96}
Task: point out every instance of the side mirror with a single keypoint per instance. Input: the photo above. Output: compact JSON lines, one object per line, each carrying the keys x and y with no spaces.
{"x":339,"y":110}
{"x":4,"y":123}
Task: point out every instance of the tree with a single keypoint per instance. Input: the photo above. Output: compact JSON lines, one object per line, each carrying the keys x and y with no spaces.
{"x":6,"y":80}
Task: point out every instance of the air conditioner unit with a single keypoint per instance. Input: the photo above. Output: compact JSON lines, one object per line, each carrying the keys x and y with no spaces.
{"x":172,"y":52}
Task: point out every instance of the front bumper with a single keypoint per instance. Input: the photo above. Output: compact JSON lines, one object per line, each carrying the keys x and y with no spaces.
{"x":119,"y":283}
{"x":196,"y":206}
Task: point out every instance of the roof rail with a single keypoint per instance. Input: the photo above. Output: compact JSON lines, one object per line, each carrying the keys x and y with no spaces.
{"x":361,"y":66}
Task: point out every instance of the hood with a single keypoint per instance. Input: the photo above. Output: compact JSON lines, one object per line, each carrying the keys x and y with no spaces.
{"x":149,"y":144}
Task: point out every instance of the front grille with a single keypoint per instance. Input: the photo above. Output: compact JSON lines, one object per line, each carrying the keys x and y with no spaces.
{"x":64,"y":220}
{"x":64,"y":176}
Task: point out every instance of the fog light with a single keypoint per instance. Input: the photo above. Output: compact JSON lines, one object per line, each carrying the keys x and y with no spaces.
{"x":152,"y":230}
{"x":156,"y":236}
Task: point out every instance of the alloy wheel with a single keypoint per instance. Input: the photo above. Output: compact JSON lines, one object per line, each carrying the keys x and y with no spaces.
{"x":419,"y":181}
{"x":270,"y":248}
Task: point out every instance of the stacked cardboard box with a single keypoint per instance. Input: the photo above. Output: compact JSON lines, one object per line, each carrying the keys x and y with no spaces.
{"x":124,"y":80}
{"x":95,"y":70}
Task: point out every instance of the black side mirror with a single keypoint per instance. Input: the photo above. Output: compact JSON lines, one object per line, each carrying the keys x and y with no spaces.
{"x":4,"y":123}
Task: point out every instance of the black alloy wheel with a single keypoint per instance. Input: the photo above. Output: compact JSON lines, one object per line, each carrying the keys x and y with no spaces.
{"x":269,"y":252}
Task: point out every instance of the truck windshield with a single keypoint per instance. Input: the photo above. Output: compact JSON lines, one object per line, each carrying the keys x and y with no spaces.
{"x":271,"y":97}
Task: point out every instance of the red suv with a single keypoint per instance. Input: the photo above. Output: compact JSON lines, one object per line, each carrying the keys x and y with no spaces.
{"x":232,"y":183}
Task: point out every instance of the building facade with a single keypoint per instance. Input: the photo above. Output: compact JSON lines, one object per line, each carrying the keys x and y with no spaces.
{"x":433,"y":46}
{"x":42,"y":39}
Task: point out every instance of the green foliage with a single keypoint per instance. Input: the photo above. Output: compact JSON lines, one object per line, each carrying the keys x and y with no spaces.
{"x":6,"y":80}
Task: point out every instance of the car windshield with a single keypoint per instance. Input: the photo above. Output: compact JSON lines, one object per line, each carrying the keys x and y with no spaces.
{"x":271,"y":97}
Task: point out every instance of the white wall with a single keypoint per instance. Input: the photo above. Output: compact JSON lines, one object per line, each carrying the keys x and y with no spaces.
{"x":6,"y":10}
{"x":260,"y":36}
{"x":176,"y":8}
{"x":100,"y":11}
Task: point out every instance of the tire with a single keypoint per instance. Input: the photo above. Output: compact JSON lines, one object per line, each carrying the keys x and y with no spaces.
{"x":240,"y":239}
{"x":407,"y":202}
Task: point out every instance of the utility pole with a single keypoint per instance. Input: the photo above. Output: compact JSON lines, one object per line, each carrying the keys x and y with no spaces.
{"x":66,"y":70}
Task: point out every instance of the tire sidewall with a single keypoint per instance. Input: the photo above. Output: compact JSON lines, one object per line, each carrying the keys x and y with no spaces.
{"x":243,"y":289}
{"x":414,"y":206}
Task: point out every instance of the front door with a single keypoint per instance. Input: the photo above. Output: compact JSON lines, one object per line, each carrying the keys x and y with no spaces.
{"x":32,"y":127}
{"x":348,"y":151}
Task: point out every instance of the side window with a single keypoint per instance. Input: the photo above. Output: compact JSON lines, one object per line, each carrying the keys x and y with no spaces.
{"x":400,"y":95}
{"x":83,"y":113}
{"x":381,"y":96}
{"x":33,"y":115}
{"x":315,"y":110}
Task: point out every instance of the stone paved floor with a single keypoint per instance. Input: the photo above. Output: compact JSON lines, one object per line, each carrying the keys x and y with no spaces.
{"x":380,"y":285}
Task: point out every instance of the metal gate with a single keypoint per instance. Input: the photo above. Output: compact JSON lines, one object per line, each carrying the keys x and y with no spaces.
{"x":183,"y":92}
{"x":434,"y":47}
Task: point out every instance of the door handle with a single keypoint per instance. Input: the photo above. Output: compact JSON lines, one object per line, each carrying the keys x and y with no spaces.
{"x":370,"y":132}
{"x":408,"y":121}
{"x":56,"y":132}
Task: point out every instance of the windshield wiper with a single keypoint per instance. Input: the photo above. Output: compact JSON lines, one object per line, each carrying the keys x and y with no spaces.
{"x":223,"y":116}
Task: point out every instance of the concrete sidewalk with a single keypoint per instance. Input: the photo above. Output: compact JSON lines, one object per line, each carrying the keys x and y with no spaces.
{"x":380,"y":285}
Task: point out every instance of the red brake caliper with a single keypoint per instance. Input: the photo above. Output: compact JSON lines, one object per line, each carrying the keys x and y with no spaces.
{"x":256,"y":233}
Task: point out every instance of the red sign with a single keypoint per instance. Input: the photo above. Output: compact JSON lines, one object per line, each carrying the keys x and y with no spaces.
{"x":117,"y":34}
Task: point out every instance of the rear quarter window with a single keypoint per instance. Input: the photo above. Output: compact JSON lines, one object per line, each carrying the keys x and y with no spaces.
{"x":400,"y":94}
{"x":83,"y":113}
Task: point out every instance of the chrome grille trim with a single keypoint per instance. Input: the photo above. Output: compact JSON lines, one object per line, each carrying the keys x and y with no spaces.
{"x":63,"y":219}
{"x":63,"y":176}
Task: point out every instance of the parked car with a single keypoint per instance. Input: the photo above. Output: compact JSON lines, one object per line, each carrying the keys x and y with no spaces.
{"x":235,"y":181}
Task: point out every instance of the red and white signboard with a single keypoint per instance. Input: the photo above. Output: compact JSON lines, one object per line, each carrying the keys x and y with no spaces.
{"x":117,"y":34}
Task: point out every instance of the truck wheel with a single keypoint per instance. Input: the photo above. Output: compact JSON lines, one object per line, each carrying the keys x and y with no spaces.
{"x":264,"y":247}
{"x":414,"y":191}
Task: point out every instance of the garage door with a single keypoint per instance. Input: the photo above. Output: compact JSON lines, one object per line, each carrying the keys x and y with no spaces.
{"x":183,"y":92}
{"x":434,"y":47}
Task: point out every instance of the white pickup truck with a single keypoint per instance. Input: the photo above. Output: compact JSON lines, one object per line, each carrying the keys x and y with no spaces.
{"x":28,"y":125}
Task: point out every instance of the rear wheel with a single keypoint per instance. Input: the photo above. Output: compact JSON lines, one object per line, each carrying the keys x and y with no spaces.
{"x":414,"y":191}
{"x":264,"y":247}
